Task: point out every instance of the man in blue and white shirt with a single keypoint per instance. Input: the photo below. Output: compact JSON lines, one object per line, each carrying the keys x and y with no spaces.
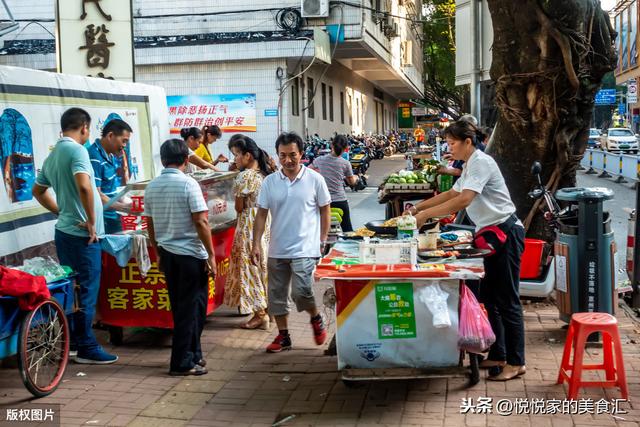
{"x":299,"y":202}
{"x":178,"y":226}
{"x":115,"y":137}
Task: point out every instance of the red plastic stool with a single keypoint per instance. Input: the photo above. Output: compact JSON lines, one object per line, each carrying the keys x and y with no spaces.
{"x":581,"y":325}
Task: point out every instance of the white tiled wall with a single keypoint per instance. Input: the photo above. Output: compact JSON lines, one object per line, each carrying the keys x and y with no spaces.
{"x":254,"y":19}
{"x":259,"y":77}
{"x":224,"y":78}
{"x":356,"y":89}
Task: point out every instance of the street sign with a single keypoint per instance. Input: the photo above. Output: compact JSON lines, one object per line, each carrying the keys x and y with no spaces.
{"x":271,"y":112}
{"x":632,"y":91}
{"x":606,"y":97}
{"x":621,"y":109}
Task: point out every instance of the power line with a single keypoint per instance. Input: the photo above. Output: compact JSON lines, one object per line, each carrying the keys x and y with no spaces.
{"x":224,"y":12}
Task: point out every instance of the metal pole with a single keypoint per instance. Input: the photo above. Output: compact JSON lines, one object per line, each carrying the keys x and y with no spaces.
{"x":635,"y":297}
{"x":475,"y":56}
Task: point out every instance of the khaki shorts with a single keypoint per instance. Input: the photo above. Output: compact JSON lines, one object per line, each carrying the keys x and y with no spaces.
{"x":290,"y":276}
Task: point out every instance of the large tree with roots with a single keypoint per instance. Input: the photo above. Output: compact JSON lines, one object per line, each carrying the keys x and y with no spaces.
{"x":549,"y":58}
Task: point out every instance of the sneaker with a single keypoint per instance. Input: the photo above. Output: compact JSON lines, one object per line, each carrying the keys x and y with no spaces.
{"x":319,"y":331}
{"x":196,"y":370}
{"x":73,"y":351}
{"x":281,"y":342}
{"x":95,"y":357}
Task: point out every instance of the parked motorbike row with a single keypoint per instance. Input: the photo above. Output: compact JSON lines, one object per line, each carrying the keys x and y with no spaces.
{"x":362,"y":150}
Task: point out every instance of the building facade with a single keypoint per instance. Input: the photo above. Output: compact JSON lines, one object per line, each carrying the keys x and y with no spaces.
{"x":625,"y":22}
{"x":202,"y":47}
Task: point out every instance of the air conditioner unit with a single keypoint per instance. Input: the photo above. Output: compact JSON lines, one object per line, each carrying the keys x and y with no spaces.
{"x":314,"y":8}
{"x":391,"y":30}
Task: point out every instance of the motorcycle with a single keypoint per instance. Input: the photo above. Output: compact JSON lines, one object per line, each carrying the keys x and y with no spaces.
{"x":542,"y":285}
{"x":359,"y":158}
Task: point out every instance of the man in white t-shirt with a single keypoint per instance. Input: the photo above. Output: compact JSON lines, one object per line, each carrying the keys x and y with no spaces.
{"x":299,"y":202}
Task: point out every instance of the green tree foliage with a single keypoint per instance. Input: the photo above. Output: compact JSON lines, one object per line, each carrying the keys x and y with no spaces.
{"x":441,"y":91}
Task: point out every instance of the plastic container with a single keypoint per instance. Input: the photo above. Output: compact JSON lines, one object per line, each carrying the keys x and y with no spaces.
{"x":407,"y":227}
{"x":531,"y":260}
{"x":62,"y":291}
{"x":389,"y":252}
{"x":445,"y":183}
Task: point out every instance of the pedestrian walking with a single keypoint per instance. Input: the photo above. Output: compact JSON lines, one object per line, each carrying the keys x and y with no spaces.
{"x":178,"y":226}
{"x":336,"y":171}
{"x":300,"y":206}
{"x":115,"y":137}
{"x":246,"y":286}
{"x":80,"y":224}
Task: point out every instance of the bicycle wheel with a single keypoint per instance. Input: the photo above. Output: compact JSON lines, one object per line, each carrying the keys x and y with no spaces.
{"x":43,"y":348}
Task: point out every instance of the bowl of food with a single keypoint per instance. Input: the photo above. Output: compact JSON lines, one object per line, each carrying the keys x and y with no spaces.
{"x":358,"y":234}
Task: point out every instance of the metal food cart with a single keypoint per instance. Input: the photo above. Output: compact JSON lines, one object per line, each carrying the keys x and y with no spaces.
{"x":394,"y":195}
{"x":129,"y":299}
{"x":384,"y":327}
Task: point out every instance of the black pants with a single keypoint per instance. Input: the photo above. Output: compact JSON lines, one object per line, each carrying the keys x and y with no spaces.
{"x":346,"y":217}
{"x":499,"y":291}
{"x":187,"y":283}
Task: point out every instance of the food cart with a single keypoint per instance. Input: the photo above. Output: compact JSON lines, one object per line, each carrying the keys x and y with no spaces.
{"x":128,"y":298}
{"x":386,"y":326}
{"x":395,"y":195}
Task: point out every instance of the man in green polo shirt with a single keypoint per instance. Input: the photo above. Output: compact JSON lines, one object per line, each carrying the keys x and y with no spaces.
{"x":79,"y":209}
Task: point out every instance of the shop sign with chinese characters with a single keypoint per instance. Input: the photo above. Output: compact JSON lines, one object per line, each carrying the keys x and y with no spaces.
{"x":231,"y":113}
{"x":395,"y":310}
{"x":127,"y":298}
{"x":95,"y":38}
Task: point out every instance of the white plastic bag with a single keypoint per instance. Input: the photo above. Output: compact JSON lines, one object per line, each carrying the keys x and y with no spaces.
{"x":436,"y":301}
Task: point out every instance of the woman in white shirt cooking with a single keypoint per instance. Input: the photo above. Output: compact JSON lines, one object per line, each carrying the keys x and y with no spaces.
{"x":481,"y":190}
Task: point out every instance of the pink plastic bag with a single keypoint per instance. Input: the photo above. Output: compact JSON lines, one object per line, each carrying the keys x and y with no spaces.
{"x":474,"y":332}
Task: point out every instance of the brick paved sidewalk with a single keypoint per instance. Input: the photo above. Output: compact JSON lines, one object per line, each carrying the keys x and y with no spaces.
{"x":247,"y":387}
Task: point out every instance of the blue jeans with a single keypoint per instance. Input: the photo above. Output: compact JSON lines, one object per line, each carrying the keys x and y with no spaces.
{"x":86,"y":261}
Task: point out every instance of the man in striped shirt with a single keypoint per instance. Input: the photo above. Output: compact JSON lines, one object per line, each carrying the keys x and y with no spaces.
{"x":178,"y":226}
{"x":115,"y":137}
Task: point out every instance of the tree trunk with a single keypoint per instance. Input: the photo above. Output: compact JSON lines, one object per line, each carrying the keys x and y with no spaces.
{"x":549,"y":58}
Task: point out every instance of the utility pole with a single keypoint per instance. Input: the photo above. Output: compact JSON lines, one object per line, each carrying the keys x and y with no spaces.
{"x":476,"y":58}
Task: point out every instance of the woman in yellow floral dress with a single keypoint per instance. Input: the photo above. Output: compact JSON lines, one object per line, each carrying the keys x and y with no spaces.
{"x":246,"y":286}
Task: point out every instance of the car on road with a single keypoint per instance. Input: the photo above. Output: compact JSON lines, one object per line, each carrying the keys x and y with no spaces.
{"x":594,"y":138}
{"x":620,"y":139}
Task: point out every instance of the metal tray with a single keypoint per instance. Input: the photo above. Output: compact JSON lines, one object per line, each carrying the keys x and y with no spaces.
{"x":377,"y":227}
{"x":463,"y":253}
